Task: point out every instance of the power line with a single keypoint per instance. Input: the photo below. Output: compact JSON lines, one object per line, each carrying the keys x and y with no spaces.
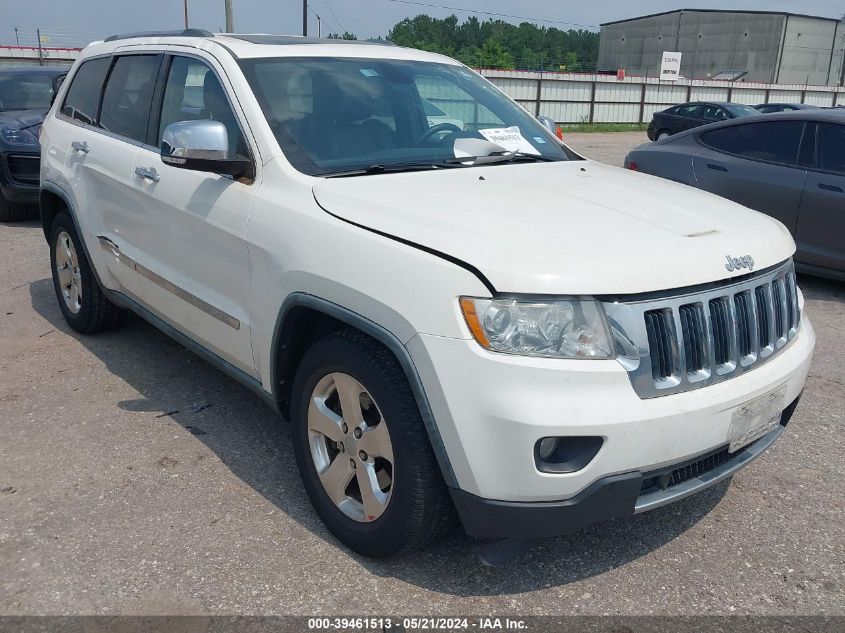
{"x":329,"y":7}
{"x":493,"y":13}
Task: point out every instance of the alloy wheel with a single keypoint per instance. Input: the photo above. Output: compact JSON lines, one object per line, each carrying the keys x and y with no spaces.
{"x":67,"y":269}
{"x":350,"y":447}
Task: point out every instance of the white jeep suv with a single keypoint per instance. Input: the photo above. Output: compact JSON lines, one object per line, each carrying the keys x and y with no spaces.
{"x":458,"y":320}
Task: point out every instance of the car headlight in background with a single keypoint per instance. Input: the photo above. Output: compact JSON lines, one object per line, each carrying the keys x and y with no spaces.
{"x":18,"y":137}
{"x":554,"y":329}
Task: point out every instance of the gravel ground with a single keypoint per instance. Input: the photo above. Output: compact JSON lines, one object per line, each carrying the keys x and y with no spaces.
{"x":609,"y":148}
{"x":136,"y":479}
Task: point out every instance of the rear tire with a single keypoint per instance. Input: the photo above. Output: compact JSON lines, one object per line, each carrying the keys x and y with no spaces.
{"x":12,"y":211}
{"x":413,"y":506}
{"x":81,"y":300}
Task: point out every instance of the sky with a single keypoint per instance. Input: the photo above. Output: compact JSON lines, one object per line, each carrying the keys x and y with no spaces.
{"x":75,"y":22}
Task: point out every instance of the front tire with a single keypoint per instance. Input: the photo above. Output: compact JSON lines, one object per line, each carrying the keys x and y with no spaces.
{"x":81,"y":300}
{"x":362,"y":449}
{"x":662,"y":134}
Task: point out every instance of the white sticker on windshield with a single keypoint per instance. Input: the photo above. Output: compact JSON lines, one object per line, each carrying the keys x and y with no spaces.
{"x":510,"y":138}
{"x":369,"y":72}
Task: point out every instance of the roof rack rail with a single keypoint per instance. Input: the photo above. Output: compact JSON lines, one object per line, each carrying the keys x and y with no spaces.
{"x":281,"y":40}
{"x":182,"y":33}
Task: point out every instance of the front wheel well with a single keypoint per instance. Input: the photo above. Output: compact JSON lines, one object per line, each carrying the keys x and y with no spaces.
{"x":300,"y":328}
{"x":50,"y":205}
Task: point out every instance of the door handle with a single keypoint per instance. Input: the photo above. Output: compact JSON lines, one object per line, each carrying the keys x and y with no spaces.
{"x":80,"y":146}
{"x":149,"y":173}
{"x":717,"y":167}
{"x":830,"y":188}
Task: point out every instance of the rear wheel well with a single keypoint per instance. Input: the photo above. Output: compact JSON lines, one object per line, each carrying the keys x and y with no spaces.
{"x":51,"y":205}
{"x":302,"y":327}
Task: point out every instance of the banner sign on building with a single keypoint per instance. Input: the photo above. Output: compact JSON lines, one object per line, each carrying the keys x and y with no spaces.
{"x":670,"y":67}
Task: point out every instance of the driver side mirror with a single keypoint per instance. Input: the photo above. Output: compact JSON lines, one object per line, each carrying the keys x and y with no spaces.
{"x":58,"y":80}
{"x":202,"y":146}
{"x":551,"y":126}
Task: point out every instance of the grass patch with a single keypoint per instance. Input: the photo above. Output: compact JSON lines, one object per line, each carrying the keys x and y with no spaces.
{"x":604,"y":127}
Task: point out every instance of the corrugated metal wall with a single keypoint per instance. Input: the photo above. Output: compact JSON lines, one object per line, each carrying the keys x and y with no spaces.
{"x":578,"y":98}
{"x":770,"y":47}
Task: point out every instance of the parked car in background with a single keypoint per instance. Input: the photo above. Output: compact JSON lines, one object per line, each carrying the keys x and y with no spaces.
{"x":690,"y":115}
{"x":772,"y":108}
{"x":25,"y":95}
{"x":790,"y":166}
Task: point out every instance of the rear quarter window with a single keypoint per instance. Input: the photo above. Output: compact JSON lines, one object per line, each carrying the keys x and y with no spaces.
{"x":83,"y":94}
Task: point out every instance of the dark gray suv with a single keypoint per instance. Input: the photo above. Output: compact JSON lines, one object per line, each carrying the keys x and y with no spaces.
{"x":790,"y":166}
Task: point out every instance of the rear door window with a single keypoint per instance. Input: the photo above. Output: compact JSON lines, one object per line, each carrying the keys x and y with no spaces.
{"x":713,"y":113}
{"x":689,"y":111}
{"x":831,"y":141}
{"x":128,"y":96}
{"x":83,"y":94}
{"x":776,"y":141}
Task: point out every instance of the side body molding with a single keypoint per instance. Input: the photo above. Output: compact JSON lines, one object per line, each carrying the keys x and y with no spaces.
{"x":120,"y":299}
{"x":386,"y":338}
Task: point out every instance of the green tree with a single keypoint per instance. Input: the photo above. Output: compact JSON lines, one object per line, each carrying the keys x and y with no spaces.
{"x":499,"y":44}
{"x":494,"y":55}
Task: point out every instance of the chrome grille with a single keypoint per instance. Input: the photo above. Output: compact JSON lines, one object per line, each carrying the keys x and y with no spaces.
{"x":694,"y":332}
{"x":744,"y":322}
{"x":658,"y":326}
{"x":696,"y":338}
{"x":720,"y":319}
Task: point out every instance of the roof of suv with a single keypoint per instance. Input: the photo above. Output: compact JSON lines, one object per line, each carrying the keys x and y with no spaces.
{"x":253,"y":45}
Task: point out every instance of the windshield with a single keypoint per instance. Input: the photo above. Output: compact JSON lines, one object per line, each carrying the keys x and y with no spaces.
{"x":24,"y":91}
{"x":336,"y":115}
{"x":741,"y":110}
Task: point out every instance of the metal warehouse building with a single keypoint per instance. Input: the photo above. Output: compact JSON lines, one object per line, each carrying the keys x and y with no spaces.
{"x":761,"y":46}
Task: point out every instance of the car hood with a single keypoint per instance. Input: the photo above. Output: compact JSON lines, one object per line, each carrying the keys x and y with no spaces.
{"x":17,"y":119}
{"x":576,"y":227}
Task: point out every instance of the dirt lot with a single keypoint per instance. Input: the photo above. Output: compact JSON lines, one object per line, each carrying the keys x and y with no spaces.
{"x":134,"y":478}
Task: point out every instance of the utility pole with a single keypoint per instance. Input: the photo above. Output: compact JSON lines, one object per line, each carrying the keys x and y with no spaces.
{"x":40,"y":53}
{"x":841,"y":70}
{"x":17,"y":37}
{"x":230,"y":20}
{"x":305,"y":18}
{"x":186,"y":14}
{"x":319,"y":27}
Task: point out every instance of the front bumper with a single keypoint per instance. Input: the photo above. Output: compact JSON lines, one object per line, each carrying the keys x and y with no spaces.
{"x":491,"y":409}
{"x":19,"y":176}
{"x":612,"y":497}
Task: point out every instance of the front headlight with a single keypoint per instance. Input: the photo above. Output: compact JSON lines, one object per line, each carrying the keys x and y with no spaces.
{"x":18,"y":137}
{"x":555,"y":329}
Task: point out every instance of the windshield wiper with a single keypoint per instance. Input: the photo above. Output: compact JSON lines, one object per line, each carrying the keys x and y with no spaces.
{"x":380,"y":168}
{"x":463,"y":161}
{"x":507,"y":157}
{"x":31,"y":125}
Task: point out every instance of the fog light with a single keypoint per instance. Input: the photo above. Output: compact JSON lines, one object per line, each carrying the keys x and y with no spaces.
{"x":547,"y":448}
{"x":565,"y":454}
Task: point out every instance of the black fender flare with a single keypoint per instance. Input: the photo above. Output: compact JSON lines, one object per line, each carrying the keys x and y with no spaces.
{"x":383,"y":336}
